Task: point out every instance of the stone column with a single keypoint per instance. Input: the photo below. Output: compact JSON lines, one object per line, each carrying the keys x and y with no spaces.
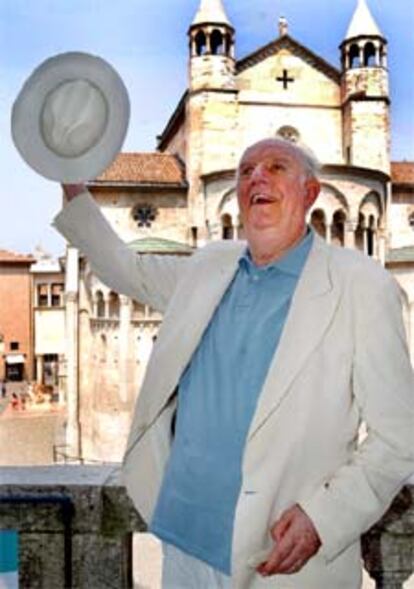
{"x":381,"y":246}
{"x":375,"y":244}
{"x":106,"y":305}
{"x":349,"y":234}
{"x":329,"y":233}
{"x":208,"y":41}
{"x":124,"y":325}
{"x":365,"y":240}
{"x":384,"y":57}
{"x":361,"y":55}
{"x":39,"y":368}
{"x":72,"y":351}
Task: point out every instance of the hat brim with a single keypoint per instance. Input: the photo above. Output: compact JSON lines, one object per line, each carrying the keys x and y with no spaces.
{"x":27,"y":110}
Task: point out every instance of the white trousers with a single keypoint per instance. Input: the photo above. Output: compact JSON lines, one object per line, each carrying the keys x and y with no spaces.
{"x":182,"y":571}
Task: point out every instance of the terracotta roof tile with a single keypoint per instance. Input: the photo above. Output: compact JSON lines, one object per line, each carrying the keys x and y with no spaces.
{"x":402,"y":172}
{"x":7,"y":256}
{"x":148,"y":168}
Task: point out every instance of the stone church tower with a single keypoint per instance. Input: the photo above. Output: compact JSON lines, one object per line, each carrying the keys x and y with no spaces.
{"x":211,"y":109}
{"x":365,"y":93}
{"x":184,"y":194}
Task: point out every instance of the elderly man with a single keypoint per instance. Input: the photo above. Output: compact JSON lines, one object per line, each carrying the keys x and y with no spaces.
{"x":243,"y":453}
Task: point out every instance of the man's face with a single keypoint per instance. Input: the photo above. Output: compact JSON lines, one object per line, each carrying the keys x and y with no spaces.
{"x":274,"y":191}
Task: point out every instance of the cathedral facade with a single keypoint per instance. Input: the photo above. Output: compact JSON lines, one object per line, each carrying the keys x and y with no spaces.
{"x":183,"y":195}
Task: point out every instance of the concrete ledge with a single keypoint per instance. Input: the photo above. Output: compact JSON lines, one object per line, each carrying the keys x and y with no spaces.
{"x":75,"y":528}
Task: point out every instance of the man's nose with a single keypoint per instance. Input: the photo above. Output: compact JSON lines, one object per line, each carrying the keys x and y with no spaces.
{"x":259,"y":172}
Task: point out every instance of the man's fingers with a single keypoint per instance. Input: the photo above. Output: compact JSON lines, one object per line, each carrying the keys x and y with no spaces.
{"x":282,"y":525}
{"x":293,"y":562}
{"x":279,"y":553}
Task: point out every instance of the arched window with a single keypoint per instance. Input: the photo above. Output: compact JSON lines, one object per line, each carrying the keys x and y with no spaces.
{"x":369,"y":55}
{"x":113,"y":305}
{"x":318,"y":222}
{"x":354,"y":60}
{"x":338,"y":228}
{"x":359,"y":233}
{"x":200,"y":43}
{"x":371,"y":235}
{"x":227,"y":227}
{"x":138,"y":310}
{"x":100,"y":304}
{"x":217,"y":43}
{"x":289,"y":133}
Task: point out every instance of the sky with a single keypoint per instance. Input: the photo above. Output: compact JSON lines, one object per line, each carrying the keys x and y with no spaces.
{"x":146,"y":42}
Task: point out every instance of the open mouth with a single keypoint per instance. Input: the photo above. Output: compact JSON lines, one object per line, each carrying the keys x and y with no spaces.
{"x":260,"y":199}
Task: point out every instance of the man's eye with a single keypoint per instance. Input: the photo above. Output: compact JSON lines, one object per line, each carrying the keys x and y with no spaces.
{"x":275,"y":167}
{"x":246,"y":172}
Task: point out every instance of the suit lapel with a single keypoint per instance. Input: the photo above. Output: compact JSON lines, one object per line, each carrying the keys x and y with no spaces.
{"x":312,"y":307}
{"x":206,"y":287}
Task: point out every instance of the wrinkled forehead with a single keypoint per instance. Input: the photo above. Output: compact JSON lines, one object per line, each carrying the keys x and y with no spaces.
{"x":273,"y":149}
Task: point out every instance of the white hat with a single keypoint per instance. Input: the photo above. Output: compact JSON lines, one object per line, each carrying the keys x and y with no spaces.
{"x":71,"y":116}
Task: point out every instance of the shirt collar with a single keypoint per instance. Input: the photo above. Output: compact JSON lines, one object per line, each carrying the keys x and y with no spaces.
{"x":291,"y":262}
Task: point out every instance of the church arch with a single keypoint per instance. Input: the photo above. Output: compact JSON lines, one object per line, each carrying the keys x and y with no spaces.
{"x":331,"y":200}
{"x":113,"y":305}
{"x":371,"y":205}
{"x":338,"y":227}
{"x":318,"y":222}
{"x":138,"y":310}
{"x":354,"y":59}
{"x":227,"y":229}
{"x":200,"y":43}
{"x":369,"y":54}
{"x":100,"y":304}
{"x":217,"y":42}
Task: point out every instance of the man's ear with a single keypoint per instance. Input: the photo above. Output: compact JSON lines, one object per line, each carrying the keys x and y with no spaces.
{"x":313,"y":188}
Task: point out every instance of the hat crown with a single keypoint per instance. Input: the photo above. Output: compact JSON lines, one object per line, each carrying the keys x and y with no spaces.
{"x":73,"y":118}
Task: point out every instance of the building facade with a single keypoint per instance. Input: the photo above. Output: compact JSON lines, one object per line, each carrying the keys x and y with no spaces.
{"x":49,"y":321}
{"x":184,"y":195}
{"x":16,"y":324}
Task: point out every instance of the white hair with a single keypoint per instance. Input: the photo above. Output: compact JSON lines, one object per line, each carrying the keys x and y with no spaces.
{"x":311,"y":164}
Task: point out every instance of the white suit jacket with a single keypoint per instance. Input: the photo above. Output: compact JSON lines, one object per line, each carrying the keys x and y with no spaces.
{"x":342,"y":358}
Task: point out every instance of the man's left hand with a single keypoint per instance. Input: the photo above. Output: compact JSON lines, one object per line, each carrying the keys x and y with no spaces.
{"x":296,"y":541}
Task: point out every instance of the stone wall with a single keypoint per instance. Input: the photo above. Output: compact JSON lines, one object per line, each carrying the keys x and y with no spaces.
{"x":75,"y":528}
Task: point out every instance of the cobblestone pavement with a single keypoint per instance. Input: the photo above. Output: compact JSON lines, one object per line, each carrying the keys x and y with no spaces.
{"x":27,"y":436}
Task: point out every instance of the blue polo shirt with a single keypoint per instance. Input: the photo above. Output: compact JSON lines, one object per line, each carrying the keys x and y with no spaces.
{"x":217,"y":397}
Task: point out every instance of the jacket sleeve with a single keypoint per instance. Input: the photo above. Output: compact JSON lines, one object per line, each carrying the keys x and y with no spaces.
{"x":150,"y":279}
{"x":358,"y":494}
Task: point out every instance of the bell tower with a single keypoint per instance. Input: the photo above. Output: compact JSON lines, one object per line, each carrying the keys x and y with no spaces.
{"x":365,"y":93}
{"x":211,"y":108}
{"x":211,"y":37}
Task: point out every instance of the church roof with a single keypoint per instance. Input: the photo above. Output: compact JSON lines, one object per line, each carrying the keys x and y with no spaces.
{"x":157,"y":245}
{"x":211,"y":11}
{"x":9,"y":257}
{"x":287,"y":42}
{"x":362,"y":23}
{"x":144,"y":168}
{"x":402,"y":172}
